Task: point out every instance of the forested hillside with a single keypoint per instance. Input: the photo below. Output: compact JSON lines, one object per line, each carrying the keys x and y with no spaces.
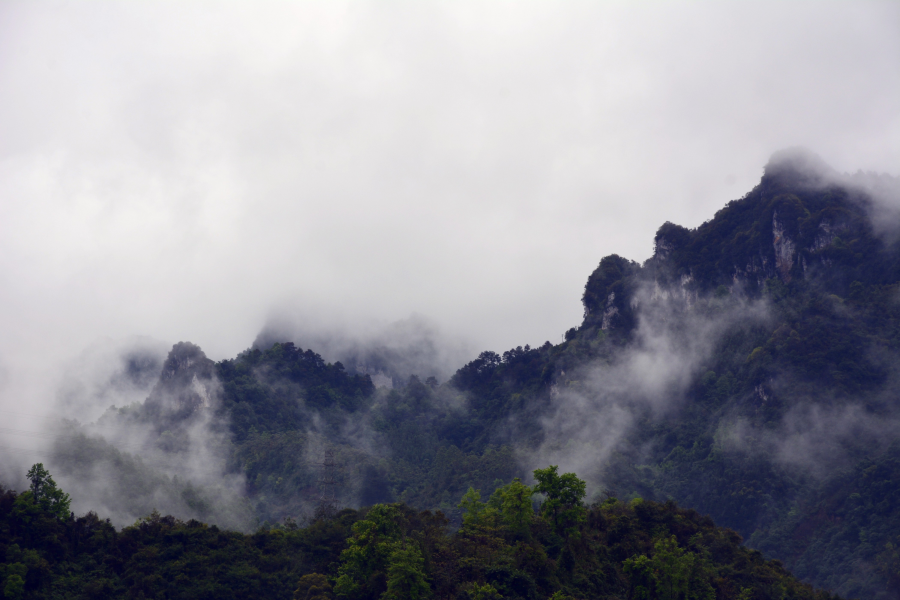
{"x":747,"y":371}
{"x":504,"y":549}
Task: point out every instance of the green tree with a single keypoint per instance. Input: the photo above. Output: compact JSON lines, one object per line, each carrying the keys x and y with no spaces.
{"x":672,"y":573}
{"x":14,"y":587}
{"x":483,"y":592}
{"x":42,"y":496}
{"x":45,"y":492}
{"x":513,"y":503}
{"x":563,"y":505}
{"x":406,"y":579}
{"x":313,"y":587}
{"x":673,"y":568}
{"x":475,"y":509}
{"x":364,"y":562}
{"x":640,"y":572}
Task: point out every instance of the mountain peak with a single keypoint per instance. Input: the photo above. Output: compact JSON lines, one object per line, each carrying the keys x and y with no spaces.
{"x":798,"y":166}
{"x":185,"y":381}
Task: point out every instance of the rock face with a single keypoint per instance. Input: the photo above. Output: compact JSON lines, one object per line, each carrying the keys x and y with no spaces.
{"x":609,"y":312}
{"x":187,"y":382}
{"x":607,"y":295}
{"x":827,"y":233}
{"x":784,"y":249}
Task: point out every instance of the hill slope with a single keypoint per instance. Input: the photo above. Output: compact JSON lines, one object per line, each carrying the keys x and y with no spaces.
{"x":504,"y":549}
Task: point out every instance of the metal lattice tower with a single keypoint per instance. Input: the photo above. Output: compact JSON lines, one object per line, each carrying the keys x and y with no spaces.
{"x":327,"y":481}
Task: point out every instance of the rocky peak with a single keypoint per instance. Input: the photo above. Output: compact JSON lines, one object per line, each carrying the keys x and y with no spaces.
{"x":181,"y":359}
{"x":669,"y":238}
{"x":798,"y":168}
{"x":186,"y":382}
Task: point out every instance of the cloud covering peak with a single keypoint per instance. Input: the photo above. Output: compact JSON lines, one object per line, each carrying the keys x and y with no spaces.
{"x":177,"y":171}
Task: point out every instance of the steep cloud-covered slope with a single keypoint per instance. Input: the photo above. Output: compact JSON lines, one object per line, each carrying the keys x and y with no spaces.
{"x":748,"y":370}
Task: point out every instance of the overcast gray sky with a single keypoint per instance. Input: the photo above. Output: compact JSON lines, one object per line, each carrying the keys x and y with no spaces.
{"x":181,"y":170}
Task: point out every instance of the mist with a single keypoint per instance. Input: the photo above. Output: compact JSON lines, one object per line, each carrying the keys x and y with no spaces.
{"x":597,"y":407}
{"x":878,"y":193}
{"x":112,"y":459}
{"x":396,"y":187}
{"x":179,"y":171}
{"x":386,"y":351}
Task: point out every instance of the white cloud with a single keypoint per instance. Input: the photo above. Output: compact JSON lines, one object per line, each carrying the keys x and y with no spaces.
{"x":177,"y":170}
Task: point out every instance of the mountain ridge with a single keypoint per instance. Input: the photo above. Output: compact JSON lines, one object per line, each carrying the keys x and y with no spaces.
{"x":748,"y":370}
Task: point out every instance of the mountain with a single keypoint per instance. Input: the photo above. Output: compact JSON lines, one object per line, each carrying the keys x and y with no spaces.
{"x":787,"y":304}
{"x":747,"y":370}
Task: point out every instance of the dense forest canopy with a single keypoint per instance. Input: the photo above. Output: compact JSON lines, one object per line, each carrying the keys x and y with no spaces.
{"x":504,"y":549}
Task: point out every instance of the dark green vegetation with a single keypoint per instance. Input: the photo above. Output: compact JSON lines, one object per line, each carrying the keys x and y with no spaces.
{"x":273,"y":415}
{"x":748,"y":370}
{"x":504,"y":549}
{"x":783,"y":313}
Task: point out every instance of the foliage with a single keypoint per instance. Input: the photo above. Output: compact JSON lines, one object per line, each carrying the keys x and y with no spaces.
{"x":672,"y":573}
{"x":390,"y":552}
{"x":406,"y":579}
{"x":43,"y":495}
{"x":513,"y":504}
{"x":473,"y":506}
{"x":160,"y":556}
{"x":564,"y":496}
{"x":369,"y":553}
{"x":313,"y":587}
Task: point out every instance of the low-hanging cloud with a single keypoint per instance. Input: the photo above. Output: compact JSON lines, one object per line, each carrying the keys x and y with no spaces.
{"x":598,"y":409}
{"x":131,"y":444}
{"x":877,"y":192}
{"x":176,"y":171}
{"x":596,"y":406}
{"x":109,"y":372}
{"x":823,"y":431}
{"x":415,"y":345}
